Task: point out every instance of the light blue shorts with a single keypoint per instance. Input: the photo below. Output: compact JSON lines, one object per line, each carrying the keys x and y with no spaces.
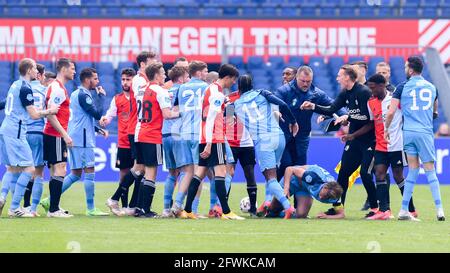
{"x":268,"y":151}
{"x":187,"y":153}
{"x":419,"y":144}
{"x":80,"y":158}
{"x":169,"y":147}
{"x":229,"y":154}
{"x":295,"y":189}
{"x":15,"y":152}
{"x":36,"y":142}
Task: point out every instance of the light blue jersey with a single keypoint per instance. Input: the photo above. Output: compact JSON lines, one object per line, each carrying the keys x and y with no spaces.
{"x":417,"y":97}
{"x":256,"y":114}
{"x":39,"y":93}
{"x":20,"y":95}
{"x":312,"y":182}
{"x":172,"y":126}
{"x":189,"y":99}
{"x":83,"y":113}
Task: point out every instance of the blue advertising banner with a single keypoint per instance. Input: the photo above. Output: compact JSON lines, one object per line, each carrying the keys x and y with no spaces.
{"x":323,"y":151}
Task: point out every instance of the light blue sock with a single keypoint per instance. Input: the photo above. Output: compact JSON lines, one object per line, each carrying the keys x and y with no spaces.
{"x":269,"y":195}
{"x":179,"y":198}
{"x":12,"y":183}
{"x":180,"y":178}
{"x":277,"y":191}
{"x":7,"y":179}
{"x":213,"y":199}
{"x":36,"y":192}
{"x":21,"y":186}
{"x":68,"y":181}
{"x":409,"y":187}
{"x":169,"y":186}
{"x":195,"y":205}
{"x":89,"y":189}
{"x":228,"y":179}
{"x":434,"y":186}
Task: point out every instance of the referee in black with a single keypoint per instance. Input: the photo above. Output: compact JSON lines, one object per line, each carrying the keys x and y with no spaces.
{"x":360,"y":142}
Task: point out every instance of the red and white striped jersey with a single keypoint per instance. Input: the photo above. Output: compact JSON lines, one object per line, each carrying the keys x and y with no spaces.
{"x":149,"y":102}
{"x":378,"y":111}
{"x":139,"y":81}
{"x":236,"y":133}
{"x":213,"y":106}
{"x":57,"y":94}
{"x":120,"y":108}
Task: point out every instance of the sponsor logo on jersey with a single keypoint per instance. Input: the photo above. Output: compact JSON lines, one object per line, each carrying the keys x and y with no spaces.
{"x":30,"y":97}
{"x":88,"y":100}
{"x":217,"y":102}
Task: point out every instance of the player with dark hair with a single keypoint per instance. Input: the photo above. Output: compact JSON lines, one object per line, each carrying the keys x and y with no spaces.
{"x":15,"y":152}
{"x":418,"y":100}
{"x":136,"y":173}
{"x":306,"y":183}
{"x":56,"y":138}
{"x":85,"y":111}
{"x":153,"y":106}
{"x":171,"y":139}
{"x":212,"y":144}
{"x":179,"y":61}
{"x":255,"y":108}
{"x":189,"y":99}
{"x":36,"y":141}
{"x":386,"y":154}
{"x":288,"y":74}
{"x":120,"y":108}
{"x":360,"y":142}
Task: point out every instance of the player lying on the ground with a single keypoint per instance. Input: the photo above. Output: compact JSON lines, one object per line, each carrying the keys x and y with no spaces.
{"x":305,"y":183}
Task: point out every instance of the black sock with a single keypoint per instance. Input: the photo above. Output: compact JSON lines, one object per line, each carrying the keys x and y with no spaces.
{"x":27,"y":194}
{"x":146,"y":193}
{"x":382,"y":195}
{"x":55,"y":186}
{"x":221,"y":191}
{"x":135,"y":194}
{"x":192,"y":192}
{"x":252,"y":193}
{"x":401,"y":186}
{"x":124,"y":198}
{"x":126,"y":182}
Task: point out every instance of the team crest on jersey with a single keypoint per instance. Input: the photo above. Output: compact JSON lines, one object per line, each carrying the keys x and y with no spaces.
{"x":217,"y":102}
{"x":346,"y":102}
{"x":308,"y":178}
{"x":167,"y":100}
{"x":88,"y":100}
{"x":29,"y":97}
{"x":347,"y":147}
{"x":57,"y":100}
{"x":294,"y":102}
{"x":356,"y":102}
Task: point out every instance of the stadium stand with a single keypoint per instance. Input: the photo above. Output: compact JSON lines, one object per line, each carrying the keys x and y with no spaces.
{"x":338,"y":9}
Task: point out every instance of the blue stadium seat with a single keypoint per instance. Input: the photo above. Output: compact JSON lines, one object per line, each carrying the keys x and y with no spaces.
{"x":153,"y":11}
{"x":110,"y":3}
{"x":70,"y":86}
{"x":6,"y":64}
{"x":295,"y":61}
{"x":350,"y":3}
{"x":211,"y":12}
{"x":330,"y":3}
{"x":429,"y":13}
{"x":255,"y":62}
{"x":386,"y":12}
{"x":309,"y":3}
{"x":316,"y":61}
{"x":104,"y":68}
{"x":191,"y":11}
{"x":258,"y":73}
{"x":15,"y":11}
{"x":74,"y":11}
{"x":445,"y":4}
{"x":109,"y":87}
{"x":276,"y":73}
{"x":48,"y":65}
{"x":123,"y":65}
{"x":335,"y":63}
{"x":94,"y":11}
{"x":269,"y":10}
{"x":172,"y":11}
{"x":308,"y":12}
{"x":230,"y":10}
{"x":55,"y":2}
{"x":373,"y":61}
{"x":80,"y":65}
{"x":412,"y":12}
{"x":328,"y":12}
{"x":431,"y":3}
{"x":276,"y":62}
{"x":132,"y":12}
{"x":412,"y":3}
{"x":33,"y":2}
{"x":347,"y":12}
{"x":367,"y":12}
{"x":352,"y":59}
{"x":249,"y":10}
{"x":237,"y":61}
{"x":289,"y":10}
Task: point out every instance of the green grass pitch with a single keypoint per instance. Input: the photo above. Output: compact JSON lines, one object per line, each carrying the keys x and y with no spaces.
{"x":128,"y":234}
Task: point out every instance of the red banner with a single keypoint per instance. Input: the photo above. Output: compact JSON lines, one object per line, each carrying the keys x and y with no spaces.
{"x":118,"y":40}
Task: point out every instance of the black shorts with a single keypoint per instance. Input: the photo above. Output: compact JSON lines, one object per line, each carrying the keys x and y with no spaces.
{"x":149,"y":154}
{"x":393,"y":159}
{"x":217,"y":157}
{"x":132,"y":146}
{"x":55,"y":150}
{"x":245,"y":155}
{"x":124,"y":159}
